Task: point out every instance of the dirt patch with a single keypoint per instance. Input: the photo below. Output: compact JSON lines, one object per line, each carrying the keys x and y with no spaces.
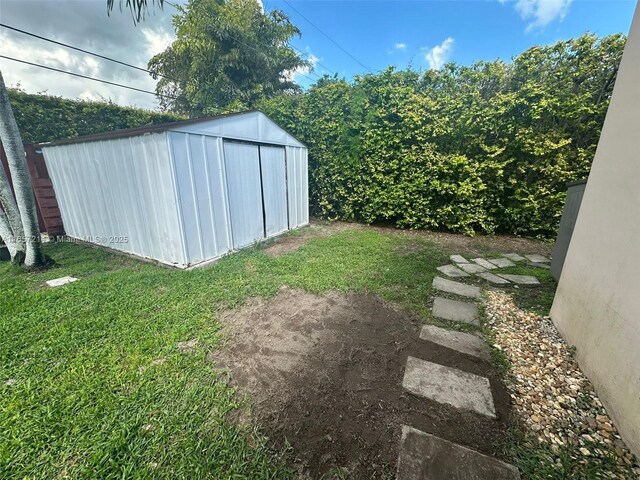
{"x":287,"y":244}
{"x":325,"y":374}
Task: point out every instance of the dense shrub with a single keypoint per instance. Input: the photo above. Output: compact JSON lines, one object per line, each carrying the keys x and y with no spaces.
{"x":488,"y":147}
{"x":44,"y":118}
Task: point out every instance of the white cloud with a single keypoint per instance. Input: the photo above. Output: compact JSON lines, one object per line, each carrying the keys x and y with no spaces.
{"x":157,"y":40}
{"x":539,"y":13}
{"x":440,"y":54}
{"x":83,"y":24}
{"x":401,"y":46}
{"x":313,"y":60}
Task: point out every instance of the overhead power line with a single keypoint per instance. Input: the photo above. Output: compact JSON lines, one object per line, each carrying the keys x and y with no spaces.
{"x":86,"y":77}
{"x":104,"y":57}
{"x":316,"y":62}
{"x":326,"y":35}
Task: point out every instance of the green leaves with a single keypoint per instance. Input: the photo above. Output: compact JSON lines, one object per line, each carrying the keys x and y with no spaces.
{"x":476,"y":148}
{"x":227,"y":55}
{"x":43,"y":118}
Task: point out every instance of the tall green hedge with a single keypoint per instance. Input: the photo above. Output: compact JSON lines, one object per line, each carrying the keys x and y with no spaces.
{"x":481,"y":148}
{"x":44,"y":118}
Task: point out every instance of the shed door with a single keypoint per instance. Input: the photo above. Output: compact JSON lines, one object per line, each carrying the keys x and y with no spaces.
{"x":274,"y":188}
{"x":242,"y":165}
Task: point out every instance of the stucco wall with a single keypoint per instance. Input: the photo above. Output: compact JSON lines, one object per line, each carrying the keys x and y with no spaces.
{"x":597,"y":304}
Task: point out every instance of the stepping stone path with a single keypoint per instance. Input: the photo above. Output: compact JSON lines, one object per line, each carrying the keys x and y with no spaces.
{"x":455,"y":310}
{"x":539,"y":265}
{"x":490,"y":277}
{"x":521,"y":279}
{"x":427,"y":457}
{"x":58,"y":282}
{"x":514,"y":257}
{"x":471,"y":267}
{"x":452,"y":271}
{"x":502,"y":262}
{"x":458,"y":259}
{"x":483,"y":263}
{"x":462,"y":390}
{"x":462,"y":342}
{"x":537,"y":258}
{"x":456,"y":288}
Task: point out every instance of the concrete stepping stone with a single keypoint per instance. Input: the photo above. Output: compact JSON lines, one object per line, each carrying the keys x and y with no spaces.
{"x":462,"y":342}
{"x":514,"y":257}
{"x":521,"y":279}
{"x":462,"y":390}
{"x":537,"y":258}
{"x":456,"y":288}
{"x":455,"y":310}
{"x":539,"y":265}
{"x":483,"y":263}
{"x":490,"y":277}
{"x":58,"y":282}
{"x":452,"y":271}
{"x":458,"y":259}
{"x":502,"y":262}
{"x":426,"y":457}
{"x":471,"y":267}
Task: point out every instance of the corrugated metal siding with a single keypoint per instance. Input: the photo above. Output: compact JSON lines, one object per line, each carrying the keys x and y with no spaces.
{"x":201,"y":190}
{"x":119,"y":194}
{"x":298,"y":186}
{"x":274,"y":178}
{"x":242,"y":167}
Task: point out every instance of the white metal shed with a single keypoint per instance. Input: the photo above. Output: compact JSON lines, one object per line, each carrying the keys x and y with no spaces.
{"x":182,"y":193}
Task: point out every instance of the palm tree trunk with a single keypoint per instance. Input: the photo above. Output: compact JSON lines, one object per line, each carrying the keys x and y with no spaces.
{"x":6,"y":234}
{"x":16,"y":158}
{"x":10,"y":224}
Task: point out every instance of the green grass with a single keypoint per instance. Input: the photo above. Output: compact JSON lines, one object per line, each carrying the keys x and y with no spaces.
{"x":89,"y":402}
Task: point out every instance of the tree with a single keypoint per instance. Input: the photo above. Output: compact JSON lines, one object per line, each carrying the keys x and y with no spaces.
{"x":228,"y":54}
{"x":138,"y":7}
{"x":26,"y":230}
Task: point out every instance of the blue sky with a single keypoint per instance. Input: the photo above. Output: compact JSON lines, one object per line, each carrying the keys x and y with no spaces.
{"x":378,"y":33}
{"x":382,"y":33}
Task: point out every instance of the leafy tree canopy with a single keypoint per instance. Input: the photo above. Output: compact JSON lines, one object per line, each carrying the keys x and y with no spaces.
{"x":228,"y":54}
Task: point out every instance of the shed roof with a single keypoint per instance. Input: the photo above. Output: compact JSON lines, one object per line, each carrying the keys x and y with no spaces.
{"x":180,"y":125}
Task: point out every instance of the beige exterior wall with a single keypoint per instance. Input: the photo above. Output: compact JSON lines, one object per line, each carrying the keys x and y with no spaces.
{"x":597,"y":304}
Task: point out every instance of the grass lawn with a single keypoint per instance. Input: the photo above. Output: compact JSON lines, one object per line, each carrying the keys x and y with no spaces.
{"x":92,"y":382}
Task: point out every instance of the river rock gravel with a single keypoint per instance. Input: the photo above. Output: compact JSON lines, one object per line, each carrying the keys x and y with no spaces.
{"x":553,"y":398}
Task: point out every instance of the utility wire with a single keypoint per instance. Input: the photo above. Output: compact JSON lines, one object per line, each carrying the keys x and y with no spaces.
{"x":85,"y":77}
{"x":316,"y":62}
{"x":330,"y":39}
{"x":82,"y":50}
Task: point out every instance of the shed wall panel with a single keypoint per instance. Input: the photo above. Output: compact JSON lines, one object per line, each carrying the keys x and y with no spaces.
{"x":242,"y":167}
{"x":118,"y":193}
{"x":201,"y":189}
{"x":218,"y":194}
{"x":298,"y":186}
{"x":272,"y":164}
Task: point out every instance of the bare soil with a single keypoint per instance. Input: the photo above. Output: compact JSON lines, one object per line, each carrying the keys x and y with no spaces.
{"x":324,"y":373}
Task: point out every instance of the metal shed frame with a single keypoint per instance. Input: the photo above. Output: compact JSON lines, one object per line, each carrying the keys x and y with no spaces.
{"x":182,"y":193}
